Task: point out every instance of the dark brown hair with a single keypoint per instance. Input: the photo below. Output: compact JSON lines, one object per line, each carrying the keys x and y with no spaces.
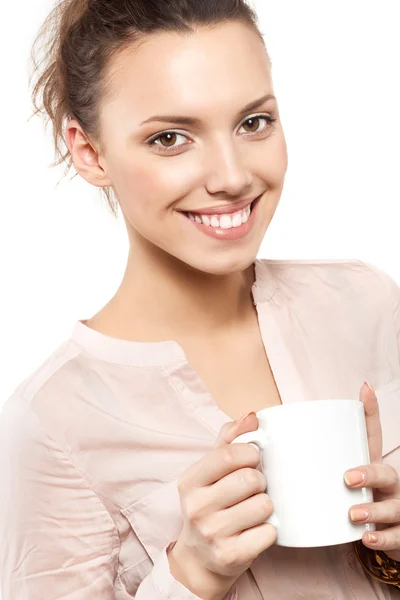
{"x":80,"y":37}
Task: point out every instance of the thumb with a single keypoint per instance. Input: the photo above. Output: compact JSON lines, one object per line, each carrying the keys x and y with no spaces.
{"x":231,"y":430}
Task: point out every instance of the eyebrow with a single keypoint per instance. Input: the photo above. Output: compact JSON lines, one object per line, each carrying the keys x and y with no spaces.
{"x":191,"y":121}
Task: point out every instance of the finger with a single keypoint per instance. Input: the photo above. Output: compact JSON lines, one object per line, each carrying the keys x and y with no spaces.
{"x":215,"y":465}
{"x":231,"y":430}
{"x":235,"y":519}
{"x":218,"y":463}
{"x":386,"y":540}
{"x":380,"y":476}
{"x":386,"y":511}
{"x":373,"y":423}
{"x":236,"y":487}
{"x":253,"y":541}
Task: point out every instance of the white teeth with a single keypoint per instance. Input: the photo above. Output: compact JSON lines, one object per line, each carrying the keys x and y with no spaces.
{"x":237,"y":220}
{"x":245,"y":216}
{"x":223,"y":221}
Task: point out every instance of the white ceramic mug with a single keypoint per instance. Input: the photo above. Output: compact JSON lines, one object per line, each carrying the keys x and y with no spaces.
{"x":305,"y":450}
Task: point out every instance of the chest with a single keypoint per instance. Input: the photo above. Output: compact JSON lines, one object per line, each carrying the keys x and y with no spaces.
{"x":238,"y":376}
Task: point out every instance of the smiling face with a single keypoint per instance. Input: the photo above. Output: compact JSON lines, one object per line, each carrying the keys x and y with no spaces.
{"x":229,"y":149}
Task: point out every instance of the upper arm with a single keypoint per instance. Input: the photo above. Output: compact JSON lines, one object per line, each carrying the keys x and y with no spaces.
{"x":57,"y":538}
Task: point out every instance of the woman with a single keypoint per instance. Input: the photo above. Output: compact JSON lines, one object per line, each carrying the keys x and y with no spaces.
{"x":120,"y":479}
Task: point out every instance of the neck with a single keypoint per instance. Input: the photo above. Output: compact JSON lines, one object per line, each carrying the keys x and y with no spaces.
{"x":161,"y":297}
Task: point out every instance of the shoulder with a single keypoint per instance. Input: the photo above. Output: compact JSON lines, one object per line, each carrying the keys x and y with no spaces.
{"x":44,"y":401}
{"x":22,"y":425}
{"x":344,"y":277}
{"x":39,"y":458}
{"x":45,"y":380}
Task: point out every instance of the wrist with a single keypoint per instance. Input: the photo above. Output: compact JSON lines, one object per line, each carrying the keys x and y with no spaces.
{"x":197,"y":579}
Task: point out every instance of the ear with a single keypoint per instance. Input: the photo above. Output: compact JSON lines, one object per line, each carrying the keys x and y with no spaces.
{"x":85,"y":156}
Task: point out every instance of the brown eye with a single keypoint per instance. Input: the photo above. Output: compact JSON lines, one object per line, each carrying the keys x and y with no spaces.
{"x":254,"y":124}
{"x":259,"y":124}
{"x":170,"y":137}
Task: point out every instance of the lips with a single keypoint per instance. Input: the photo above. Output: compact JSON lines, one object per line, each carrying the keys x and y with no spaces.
{"x":226,"y":209}
{"x":230,"y":234}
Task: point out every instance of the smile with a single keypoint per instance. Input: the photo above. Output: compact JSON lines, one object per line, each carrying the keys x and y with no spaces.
{"x":225,"y":227}
{"x":226,"y":221}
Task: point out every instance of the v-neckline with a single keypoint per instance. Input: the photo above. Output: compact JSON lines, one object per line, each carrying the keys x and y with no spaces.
{"x":170,"y":355}
{"x":192,"y":388}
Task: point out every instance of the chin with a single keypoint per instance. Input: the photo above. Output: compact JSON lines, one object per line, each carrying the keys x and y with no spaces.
{"x":223,"y":264}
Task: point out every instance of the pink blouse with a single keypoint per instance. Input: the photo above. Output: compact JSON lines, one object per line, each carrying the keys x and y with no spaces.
{"x":94,"y":442}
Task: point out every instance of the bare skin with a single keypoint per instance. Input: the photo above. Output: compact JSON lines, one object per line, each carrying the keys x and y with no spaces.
{"x":236,"y":373}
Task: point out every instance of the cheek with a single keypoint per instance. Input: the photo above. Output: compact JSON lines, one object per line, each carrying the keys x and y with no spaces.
{"x":272,"y":172}
{"x":154,"y":184}
{"x":282,"y":157}
{"x":276,"y":163}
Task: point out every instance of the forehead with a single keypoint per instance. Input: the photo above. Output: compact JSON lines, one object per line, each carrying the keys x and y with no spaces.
{"x":189,"y":72}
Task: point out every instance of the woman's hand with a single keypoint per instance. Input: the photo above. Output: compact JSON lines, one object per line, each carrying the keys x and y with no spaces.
{"x":224,"y":509}
{"x":384,"y":479}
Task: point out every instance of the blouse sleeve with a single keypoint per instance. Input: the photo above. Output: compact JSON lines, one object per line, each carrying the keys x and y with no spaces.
{"x":58,"y":540}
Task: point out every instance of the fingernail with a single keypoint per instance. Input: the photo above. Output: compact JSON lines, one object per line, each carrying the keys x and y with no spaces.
{"x":358,"y":514}
{"x":372,"y":538}
{"x":354,"y":477}
{"x":245,"y":416}
{"x":370,"y":387}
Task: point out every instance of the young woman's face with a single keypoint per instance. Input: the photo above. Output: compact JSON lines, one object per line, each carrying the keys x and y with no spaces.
{"x":223,"y":152}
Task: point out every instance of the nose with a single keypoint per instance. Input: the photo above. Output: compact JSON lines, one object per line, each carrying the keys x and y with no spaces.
{"x":227,"y":171}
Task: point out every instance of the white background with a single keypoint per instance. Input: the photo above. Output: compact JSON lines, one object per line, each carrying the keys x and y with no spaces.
{"x":336,"y":76}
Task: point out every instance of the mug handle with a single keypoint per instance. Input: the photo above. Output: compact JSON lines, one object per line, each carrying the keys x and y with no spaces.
{"x":258,"y":438}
